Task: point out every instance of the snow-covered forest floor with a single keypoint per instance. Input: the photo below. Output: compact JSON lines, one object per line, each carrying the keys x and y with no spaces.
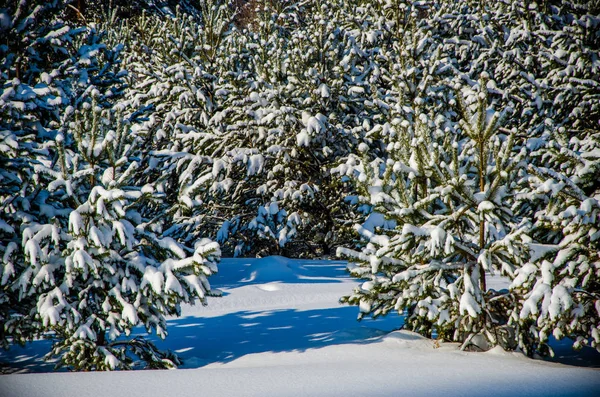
{"x":279,"y":330}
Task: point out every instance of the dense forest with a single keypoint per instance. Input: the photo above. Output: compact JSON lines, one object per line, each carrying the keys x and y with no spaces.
{"x":429,"y":143}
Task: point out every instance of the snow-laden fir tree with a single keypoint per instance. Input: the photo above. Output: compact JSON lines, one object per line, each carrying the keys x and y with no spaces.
{"x":95,"y":263}
{"x":249,"y":122}
{"x":543,"y":58}
{"x":449,"y":189}
{"x":560,"y":283}
{"x":84,"y":254}
{"x":542,"y":63}
{"x":115,"y":255}
{"x":175,"y":66}
{"x":39,"y":75}
{"x":558,"y":287}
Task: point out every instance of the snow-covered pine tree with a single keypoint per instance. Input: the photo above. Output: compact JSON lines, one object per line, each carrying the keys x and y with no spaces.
{"x":287,"y":208}
{"x":177,"y":74}
{"x":260,"y":116}
{"x":558,"y":288}
{"x":448,"y":187}
{"x":35,"y":61}
{"x":116,"y":269}
{"x":409,"y":70}
{"x":544,"y":61}
{"x":541,"y":58}
{"x":95,"y":260}
{"x":85,"y":255}
{"x":252,"y":134}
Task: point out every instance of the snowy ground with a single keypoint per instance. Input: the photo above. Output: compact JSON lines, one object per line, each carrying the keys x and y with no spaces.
{"x":279,"y":331}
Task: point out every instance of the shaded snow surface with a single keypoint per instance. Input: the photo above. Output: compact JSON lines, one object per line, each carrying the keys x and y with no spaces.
{"x":279,"y":331}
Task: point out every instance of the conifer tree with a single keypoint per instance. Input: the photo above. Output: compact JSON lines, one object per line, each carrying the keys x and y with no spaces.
{"x":115,"y":269}
{"x":261,"y":100}
{"x":447,"y":187}
{"x":558,"y":286}
{"x":540,"y":59}
{"x":35,"y":61}
{"x":85,"y":255}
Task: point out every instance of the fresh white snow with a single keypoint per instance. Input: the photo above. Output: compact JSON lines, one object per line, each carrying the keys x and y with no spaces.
{"x":278,"y":330}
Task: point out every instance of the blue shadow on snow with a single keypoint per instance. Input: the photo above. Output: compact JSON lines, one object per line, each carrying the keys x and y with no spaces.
{"x":199,"y":341}
{"x":237,"y":272}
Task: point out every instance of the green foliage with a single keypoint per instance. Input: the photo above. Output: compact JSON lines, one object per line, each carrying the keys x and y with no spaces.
{"x":517,"y":194}
{"x":84,"y":254}
{"x":238,"y":125}
{"x":459,"y":137}
{"x":446,"y":186}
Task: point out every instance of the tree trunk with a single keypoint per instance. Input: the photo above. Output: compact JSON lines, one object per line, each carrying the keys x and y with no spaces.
{"x":482,"y":280}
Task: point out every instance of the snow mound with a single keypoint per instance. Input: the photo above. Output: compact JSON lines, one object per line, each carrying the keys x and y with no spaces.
{"x":270,"y":287}
{"x":409,"y":340}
